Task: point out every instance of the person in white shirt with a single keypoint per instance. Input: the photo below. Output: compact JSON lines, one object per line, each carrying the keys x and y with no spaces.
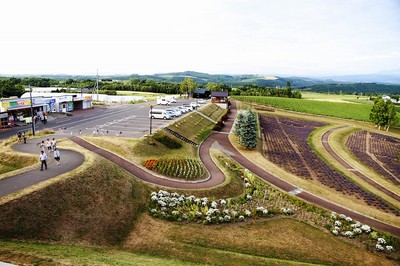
{"x":43,"y":160}
{"x":57,"y":156}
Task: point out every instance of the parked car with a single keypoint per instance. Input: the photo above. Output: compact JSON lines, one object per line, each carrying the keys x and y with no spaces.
{"x":183,"y":109}
{"x":201,"y":101}
{"x":162,"y":101}
{"x":194,"y":105}
{"x":188,"y":107}
{"x":159,"y":113}
{"x":173,"y":112}
{"x":177,"y":110}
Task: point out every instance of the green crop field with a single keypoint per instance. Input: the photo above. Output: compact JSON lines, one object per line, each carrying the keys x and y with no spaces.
{"x":335,"y":109}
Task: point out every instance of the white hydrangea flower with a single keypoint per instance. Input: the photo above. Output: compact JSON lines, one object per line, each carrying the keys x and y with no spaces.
{"x":260,"y":209}
{"x":349,"y":219}
{"x":357,"y":231}
{"x":153,"y":193}
{"x":174,"y":194}
{"x":366,"y":228}
{"x":379,"y":247}
{"x":342,"y":216}
{"x":338,"y":224}
{"x":234,"y":213}
{"x":184,"y":217}
{"x":153,"y":211}
{"x":154,"y":198}
{"x":249,"y":197}
{"x":381,"y":241}
{"x":348,"y":234}
{"x":223,"y":202}
{"x":248,"y":185}
{"x":265,"y":212}
{"x":175,"y":212}
{"x":162,"y":203}
{"x":199,"y":214}
{"x":226,"y":211}
{"x":335,"y":232}
{"x":337,"y":228}
{"x":248,"y":213}
{"x":241,"y":218}
{"x":333,"y":215}
{"x":227,"y":218}
{"x":214,"y":204}
{"x":245,"y":180}
{"x":389,"y":248}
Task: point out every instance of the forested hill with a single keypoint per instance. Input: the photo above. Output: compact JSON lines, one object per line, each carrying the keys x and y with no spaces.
{"x":303,"y":83}
{"x":364,"y":88}
{"x":200,"y":78}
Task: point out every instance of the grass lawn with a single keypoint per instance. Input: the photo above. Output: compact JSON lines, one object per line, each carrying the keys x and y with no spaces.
{"x":280,"y":241}
{"x":333,"y":97}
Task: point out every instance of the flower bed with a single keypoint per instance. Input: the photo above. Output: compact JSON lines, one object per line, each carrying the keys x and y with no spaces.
{"x":285,"y":144}
{"x":343,"y":225}
{"x":186,"y":168}
{"x":258,"y":200}
{"x":386,"y":149}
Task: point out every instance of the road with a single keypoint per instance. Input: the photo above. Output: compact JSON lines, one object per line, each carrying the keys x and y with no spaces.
{"x":130,"y":119}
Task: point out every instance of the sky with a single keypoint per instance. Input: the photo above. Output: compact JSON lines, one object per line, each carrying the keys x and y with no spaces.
{"x":264,"y":37}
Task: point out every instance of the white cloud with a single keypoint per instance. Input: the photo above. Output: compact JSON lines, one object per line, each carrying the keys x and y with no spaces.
{"x":226,"y":36}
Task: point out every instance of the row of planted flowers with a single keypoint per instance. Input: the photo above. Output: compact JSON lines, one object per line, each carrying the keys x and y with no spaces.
{"x":346,"y":226}
{"x":186,"y":168}
{"x":178,"y":207}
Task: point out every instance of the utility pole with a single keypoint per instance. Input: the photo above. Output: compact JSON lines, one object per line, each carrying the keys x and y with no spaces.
{"x":151,"y":116}
{"x":33,"y":121}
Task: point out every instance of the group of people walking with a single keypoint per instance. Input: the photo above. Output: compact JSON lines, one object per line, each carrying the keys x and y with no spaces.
{"x":50,"y":146}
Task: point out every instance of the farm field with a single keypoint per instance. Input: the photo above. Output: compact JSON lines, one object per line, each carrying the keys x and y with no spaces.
{"x":335,"y":109}
{"x":285,"y":144}
{"x":379,"y":152}
{"x":333,"y":97}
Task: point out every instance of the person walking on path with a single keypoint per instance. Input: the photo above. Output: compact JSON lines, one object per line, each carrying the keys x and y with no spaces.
{"x":53,"y":144}
{"x":48,"y":145}
{"x":24,"y":136}
{"x":42,"y":145}
{"x":43,"y":160}
{"x":57,"y":156}
{"x":19,"y":136}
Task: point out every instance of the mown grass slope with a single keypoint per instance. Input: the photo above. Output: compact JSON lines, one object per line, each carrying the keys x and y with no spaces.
{"x":98,"y":206}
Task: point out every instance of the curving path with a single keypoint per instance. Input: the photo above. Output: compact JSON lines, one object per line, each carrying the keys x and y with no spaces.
{"x":328,"y":148}
{"x":69,"y":161}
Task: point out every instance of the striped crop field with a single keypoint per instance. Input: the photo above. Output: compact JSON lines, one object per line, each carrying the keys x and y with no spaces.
{"x":335,"y":109}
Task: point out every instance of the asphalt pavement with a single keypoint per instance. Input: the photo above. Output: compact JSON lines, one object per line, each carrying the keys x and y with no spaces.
{"x":69,"y":161}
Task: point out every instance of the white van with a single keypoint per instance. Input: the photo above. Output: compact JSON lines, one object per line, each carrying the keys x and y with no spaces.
{"x":159,"y":113}
{"x":162,"y":101}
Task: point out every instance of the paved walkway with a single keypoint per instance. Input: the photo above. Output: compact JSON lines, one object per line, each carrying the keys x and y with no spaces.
{"x":69,"y":161}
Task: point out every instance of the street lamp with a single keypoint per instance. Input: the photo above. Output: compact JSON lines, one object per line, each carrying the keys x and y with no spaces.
{"x":151,"y":116}
{"x":33,"y":121}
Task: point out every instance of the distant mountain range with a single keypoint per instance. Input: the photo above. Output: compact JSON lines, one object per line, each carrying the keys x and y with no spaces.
{"x":237,"y":80}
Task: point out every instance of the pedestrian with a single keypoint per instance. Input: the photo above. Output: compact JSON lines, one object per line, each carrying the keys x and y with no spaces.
{"x":19,"y":135}
{"x":57,"y":156}
{"x":43,"y":160}
{"x":48,"y":144}
{"x":53,"y":144}
{"x":42,"y":145}
{"x":80,"y":131}
{"x":24,"y":136}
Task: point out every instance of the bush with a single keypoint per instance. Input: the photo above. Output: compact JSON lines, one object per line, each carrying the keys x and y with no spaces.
{"x":167,"y":141}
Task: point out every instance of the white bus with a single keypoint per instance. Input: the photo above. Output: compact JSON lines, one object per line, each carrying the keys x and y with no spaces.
{"x":159,"y":113}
